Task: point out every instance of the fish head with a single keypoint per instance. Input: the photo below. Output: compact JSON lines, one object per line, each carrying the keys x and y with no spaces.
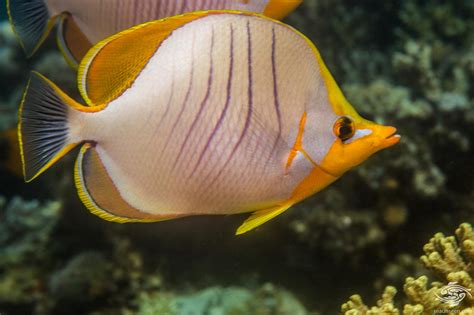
{"x":356,"y":140}
{"x":353,"y":138}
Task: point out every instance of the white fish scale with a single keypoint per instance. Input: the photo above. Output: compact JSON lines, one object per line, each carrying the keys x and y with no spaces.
{"x":99,"y":19}
{"x":236,"y":173}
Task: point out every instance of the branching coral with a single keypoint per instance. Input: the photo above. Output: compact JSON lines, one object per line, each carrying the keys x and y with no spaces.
{"x":25,"y":232}
{"x":451,"y":258}
{"x":355,"y":306}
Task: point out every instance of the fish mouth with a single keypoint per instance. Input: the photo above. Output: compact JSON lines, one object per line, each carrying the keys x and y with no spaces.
{"x":390,"y":136}
{"x":393,"y":135}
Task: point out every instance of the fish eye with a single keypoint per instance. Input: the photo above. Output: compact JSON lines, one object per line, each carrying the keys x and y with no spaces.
{"x":344,"y":128}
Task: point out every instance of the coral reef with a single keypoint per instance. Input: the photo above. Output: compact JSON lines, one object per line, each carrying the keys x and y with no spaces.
{"x":25,"y":233}
{"x":451,"y":258}
{"x":218,"y":300}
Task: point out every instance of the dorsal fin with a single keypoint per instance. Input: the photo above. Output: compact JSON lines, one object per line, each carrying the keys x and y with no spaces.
{"x":98,"y":192}
{"x":112,"y":65}
{"x":279,"y":9}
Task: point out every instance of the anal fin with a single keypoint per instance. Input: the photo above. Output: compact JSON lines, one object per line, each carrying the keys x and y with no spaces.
{"x":259,"y":217}
{"x":99,"y":194}
{"x":71,"y":41}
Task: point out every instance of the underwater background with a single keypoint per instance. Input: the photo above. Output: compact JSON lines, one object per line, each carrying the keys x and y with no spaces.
{"x":406,"y":63}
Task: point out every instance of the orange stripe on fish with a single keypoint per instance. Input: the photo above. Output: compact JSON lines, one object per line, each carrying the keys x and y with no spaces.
{"x":298,"y":146}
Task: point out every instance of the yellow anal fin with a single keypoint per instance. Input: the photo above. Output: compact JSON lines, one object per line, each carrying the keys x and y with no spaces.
{"x":98,"y":192}
{"x":259,"y":217}
{"x":71,"y":41}
{"x":113,"y":64}
{"x":278,"y":9}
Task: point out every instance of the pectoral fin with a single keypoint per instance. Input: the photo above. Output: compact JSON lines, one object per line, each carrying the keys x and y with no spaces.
{"x":259,"y":217}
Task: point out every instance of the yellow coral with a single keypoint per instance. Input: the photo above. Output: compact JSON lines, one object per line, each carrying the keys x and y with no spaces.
{"x":451,"y":258}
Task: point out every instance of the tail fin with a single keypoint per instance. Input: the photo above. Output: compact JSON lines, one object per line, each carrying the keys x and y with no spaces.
{"x":43,"y":130}
{"x":31,"y":22}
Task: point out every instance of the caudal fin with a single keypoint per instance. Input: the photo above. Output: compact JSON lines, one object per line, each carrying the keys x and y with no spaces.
{"x":31,"y":22}
{"x":43,"y":130}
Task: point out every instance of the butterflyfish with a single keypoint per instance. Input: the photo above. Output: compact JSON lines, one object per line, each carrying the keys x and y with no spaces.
{"x":207,"y":113}
{"x":83,"y":23}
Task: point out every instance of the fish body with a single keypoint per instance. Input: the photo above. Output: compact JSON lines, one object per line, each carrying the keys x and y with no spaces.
{"x":220,"y":113}
{"x":85,"y":22}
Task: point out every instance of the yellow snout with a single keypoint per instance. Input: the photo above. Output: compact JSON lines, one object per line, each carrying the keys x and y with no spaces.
{"x":368,"y":139}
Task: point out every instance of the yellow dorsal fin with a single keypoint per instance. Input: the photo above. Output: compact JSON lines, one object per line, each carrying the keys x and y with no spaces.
{"x":112,"y":65}
{"x":259,"y":217}
{"x":278,"y":9}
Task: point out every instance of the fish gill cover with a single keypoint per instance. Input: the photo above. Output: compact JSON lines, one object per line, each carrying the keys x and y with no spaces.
{"x":407,"y":63}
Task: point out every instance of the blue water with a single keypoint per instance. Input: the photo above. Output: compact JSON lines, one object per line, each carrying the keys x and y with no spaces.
{"x":3,"y":11}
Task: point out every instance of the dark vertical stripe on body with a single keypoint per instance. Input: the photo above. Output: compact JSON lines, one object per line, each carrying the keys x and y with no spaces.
{"x":138,"y":10}
{"x":249,"y":94}
{"x":275,"y":82}
{"x":165,"y":7}
{"x":226,"y":105}
{"x":168,"y":106}
{"x":186,"y":98}
{"x":130,"y":17}
{"x":155,"y":8}
{"x":183,"y":7}
{"x":203,"y":102}
{"x":118,"y":13}
{"x":173,"y":7}
{"x":249,"y":106}
{"x":150,"y":5}
{"x":275,"y":95}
